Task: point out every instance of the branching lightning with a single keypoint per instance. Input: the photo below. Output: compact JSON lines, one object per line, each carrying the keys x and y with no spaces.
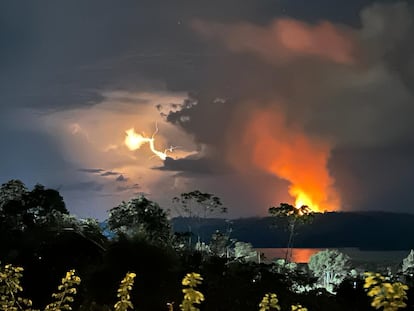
{"x":134,"y":141}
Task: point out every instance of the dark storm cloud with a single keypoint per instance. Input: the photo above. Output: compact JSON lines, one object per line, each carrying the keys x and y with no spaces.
{"x":364,"y":108}
{"x":346,"y":12}
{"x":191,"y":167}
{"x":316,"y":92}
{"x":391,"y":38}
{"x":109,"y":173}
{"x":99,"y":171}
{"x":121,"y":178}
{"x":58,"y":54}
{"x":377,"y":178}
{"x":83,"y":186}
{"x":91,"y":170}
{"x":128,"y":187}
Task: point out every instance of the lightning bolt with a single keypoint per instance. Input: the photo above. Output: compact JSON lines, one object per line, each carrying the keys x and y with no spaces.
{"x":134,"y":141}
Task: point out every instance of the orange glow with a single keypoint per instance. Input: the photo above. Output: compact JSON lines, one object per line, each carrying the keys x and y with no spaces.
{"x":285,"y":39}
{"x":292,"y":155}
{"x":303,"y":255}
{"x":302,"y":199}
{"x":134,"y":141}
{"x":299,"y":255}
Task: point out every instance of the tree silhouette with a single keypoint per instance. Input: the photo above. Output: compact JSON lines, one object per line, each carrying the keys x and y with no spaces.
{"x":197,"y":205}
{"x":295,"y":217}
{"x":140,"y":216}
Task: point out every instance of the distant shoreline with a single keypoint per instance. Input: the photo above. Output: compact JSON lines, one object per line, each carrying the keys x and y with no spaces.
{"x":366,"y":231}
{"x":359,"y":257}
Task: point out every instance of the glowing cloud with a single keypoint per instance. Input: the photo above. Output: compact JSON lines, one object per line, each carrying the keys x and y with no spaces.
{"x":284,"y":39}
{"x":289,"y":153}
{"x":134,"y":141}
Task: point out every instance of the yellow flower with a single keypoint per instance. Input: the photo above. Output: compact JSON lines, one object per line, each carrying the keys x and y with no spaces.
{"x":269,"y":302}
{"x":191,"y":295}
{"x":298,"y":307}
{"x":124,"y":299}
{"x":386,"y":295}
{"x":192,"y":279}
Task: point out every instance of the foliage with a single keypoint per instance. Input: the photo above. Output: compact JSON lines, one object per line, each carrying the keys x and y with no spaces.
{"x":42,"y":201}
{"x":124,"y":299}
{"x":330,"y":266}
{"x":10,"y":288}
{"x":298,"y":307}
{"x":21,"y":209}
{"x":218,"y":244}
{"x":199,"y":204}
{"x":269,"y":302}
{"x":59,"y":221}
{"x":30,"y":222}
{"x":191,"y":295}
{"x":13,"y":190}
{"x":157,"y":266}
{"x":408,"y":263}
{"x":294,"y":216}
{"x":244,"y":251}
{"x":302,"y":214}
{"x":92,"y":231}
{"x":140,"y":216}
{"x":282,"y":266}
{"x":12,"y":208}
{"x":65,"y":293}
{"x":386,"y":295}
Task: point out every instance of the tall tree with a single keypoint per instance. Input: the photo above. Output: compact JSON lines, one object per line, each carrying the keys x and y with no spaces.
{"x":140,"y":216}
{"x":21,"y":208}
{"x":46,"y":200}
{"x":197,"y":205}
{"x":294,"y":217}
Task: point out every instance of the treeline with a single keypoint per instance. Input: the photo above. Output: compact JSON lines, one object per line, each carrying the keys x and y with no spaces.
{"x":364,"y":230}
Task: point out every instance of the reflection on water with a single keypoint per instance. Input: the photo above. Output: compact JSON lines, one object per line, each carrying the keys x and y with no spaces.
{"x":302,"y":255}
{"x":299,"y":255}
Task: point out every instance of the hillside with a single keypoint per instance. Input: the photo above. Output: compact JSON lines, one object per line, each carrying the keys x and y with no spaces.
{"x":364,"y":230}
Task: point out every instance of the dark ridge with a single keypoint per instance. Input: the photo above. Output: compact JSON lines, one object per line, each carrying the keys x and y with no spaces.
{"x":364,"y":230}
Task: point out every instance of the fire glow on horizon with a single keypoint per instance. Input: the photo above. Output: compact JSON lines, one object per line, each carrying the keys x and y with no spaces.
{"x":291,"y":154}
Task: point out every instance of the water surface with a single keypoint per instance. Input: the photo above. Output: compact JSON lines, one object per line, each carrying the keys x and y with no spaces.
{"x":302,"y":255}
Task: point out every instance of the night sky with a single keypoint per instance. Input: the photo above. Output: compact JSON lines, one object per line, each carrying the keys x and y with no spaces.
{"x":262,"y":101}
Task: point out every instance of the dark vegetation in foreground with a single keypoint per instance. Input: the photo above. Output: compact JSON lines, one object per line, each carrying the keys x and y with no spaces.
{"x":38,"y":233}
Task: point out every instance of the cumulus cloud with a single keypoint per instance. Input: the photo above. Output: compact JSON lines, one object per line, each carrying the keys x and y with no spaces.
{"x":105,"y":124}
